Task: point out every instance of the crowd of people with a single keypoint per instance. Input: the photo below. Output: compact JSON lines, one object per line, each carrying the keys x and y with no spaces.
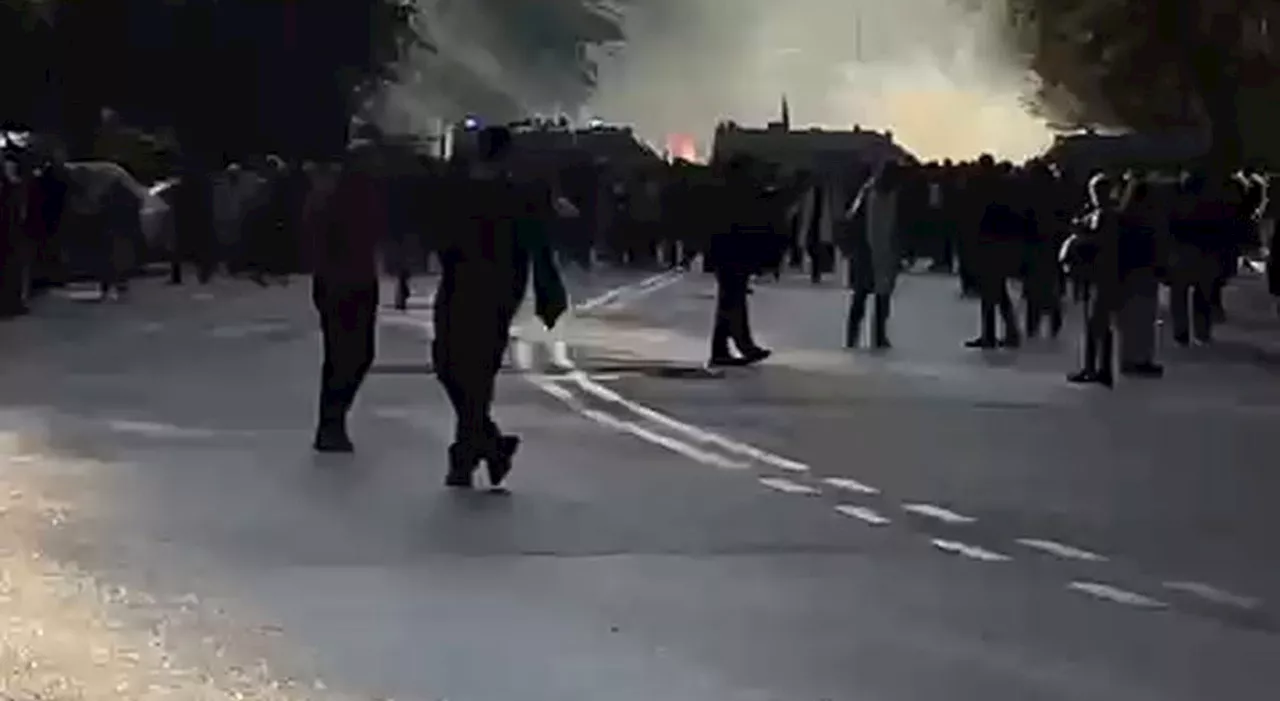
{"x":495,"y":221}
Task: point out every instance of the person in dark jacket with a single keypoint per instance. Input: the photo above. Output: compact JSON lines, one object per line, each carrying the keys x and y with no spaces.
{"x":194,"y":238}
{"x":997,"y":254}
{"x":345,"y":229}
{"x":737,"y":252}
{"x":15,"y":246}
{"x":1143,"y":233}
{"x":495,"y":242}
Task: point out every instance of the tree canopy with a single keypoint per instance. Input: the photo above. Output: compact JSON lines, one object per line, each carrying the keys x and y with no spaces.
{"x":227,"y":76}
{"x":1154,"y":64}
{"x":235,"y":77}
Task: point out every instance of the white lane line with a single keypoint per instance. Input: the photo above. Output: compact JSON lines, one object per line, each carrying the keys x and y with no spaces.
{"x":937,"y":512}
{"x":1213,"y":594}
{"x":862,"y":513}
{"x":550,"y":387}
{"x":676,"y":446}
{"x":786,"y":486}
{"x":693,"y":433}
{"x":850,"y":485}
{"x":1062,"y":550}
{"x":1116,"y":594}
{"x":560,"y":356}
{"x":970,"y":551}
{"x":634,"y":291}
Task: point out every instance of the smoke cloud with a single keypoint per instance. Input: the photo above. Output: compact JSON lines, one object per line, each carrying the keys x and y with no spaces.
{"x":934,"y":72}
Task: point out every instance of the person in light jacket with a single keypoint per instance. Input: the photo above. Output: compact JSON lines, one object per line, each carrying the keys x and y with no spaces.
{"x":871,"y":245}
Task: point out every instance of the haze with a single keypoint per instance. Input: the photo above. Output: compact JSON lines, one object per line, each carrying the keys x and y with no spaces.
{"x":935,"y":72}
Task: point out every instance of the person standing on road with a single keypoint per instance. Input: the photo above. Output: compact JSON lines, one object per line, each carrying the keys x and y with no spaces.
{"x":999,"y":244}
{"x":1143,"y":229}
{"x":872,"y":249}
{"x":1094,"y":252}
{"x":345,"y":230}
{"x":497,"y":238}
{"x":15,"y":245}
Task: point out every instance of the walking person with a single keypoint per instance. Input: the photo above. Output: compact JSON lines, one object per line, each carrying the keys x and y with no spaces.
{"x":487,"y":258}
{"x":737,"y":250}
{"x":345,"y":228}
{"x":871,"y":246}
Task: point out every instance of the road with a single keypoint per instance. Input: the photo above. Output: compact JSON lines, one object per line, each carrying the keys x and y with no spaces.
{"x":924,"y":524}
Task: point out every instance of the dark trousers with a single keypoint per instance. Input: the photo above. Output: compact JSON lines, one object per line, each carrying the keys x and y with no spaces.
{"x":348,"y":322}
{"x":732,"y":321}
{"x":1043,"y":288}
{"x":858,"y":313}
{"x":467,"y":356}
{"x":1099,"y":329}
{"x":994,"y":290}
{"x":200,"y":249}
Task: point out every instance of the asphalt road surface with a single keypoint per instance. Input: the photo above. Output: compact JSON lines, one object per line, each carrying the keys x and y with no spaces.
{"x":922,"y":524}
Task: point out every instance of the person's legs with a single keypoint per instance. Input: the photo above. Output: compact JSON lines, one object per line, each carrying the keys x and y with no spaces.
{"x":857,"y":313}
{"x":880,"y":321}
{"x":348,"y":323}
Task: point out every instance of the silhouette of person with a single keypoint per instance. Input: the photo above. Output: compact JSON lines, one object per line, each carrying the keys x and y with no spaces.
{"x":496,"y":241}
{"x":345,"y":229}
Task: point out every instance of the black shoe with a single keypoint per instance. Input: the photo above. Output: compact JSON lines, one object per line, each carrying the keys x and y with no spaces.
{"x":1182,"y":339}
{"x":882,"y":344}
{"x":982,"y":343}
{"x":462,"y":465}
{"x":332,"y":439}
{"x":726,"y":361}
{"x":1011,"y":342}
{"x":1089,"y":377}
{"x":1083,"y":377}
{"x":755,"y":355}
{"x":499,"y":464}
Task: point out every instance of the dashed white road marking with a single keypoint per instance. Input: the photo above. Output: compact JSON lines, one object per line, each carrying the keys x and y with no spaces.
{"x":970,"y":551}
{"x":676,"y":446}
{"x":550,"y":387}
{"x":851,"y":485}
{"x":1062,"y":550}
{"x":1213,"y":594}
{"x":862,"y":513}
{"x":938,"y":513}
{"x":694,"y":433}
{"x":1116,"y":594}
{"x":632,"y":292}
{"x":787,"y":486}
